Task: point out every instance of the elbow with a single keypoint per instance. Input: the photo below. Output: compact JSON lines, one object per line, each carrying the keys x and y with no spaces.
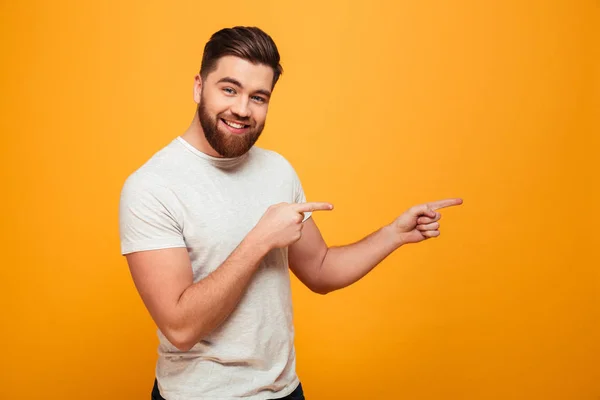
{"x":320,"y":286}
{"x":321,"y":289}
{"x":182,"y":345}
{"x":181,"y":339}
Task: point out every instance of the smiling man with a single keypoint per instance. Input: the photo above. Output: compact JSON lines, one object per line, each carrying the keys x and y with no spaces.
{"x":211,"y":225}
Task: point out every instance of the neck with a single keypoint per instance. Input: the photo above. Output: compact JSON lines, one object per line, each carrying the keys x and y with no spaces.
{"x":194,"y":135}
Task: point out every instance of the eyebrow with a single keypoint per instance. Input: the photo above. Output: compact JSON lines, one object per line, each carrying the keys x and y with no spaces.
{"x":237,"y":83}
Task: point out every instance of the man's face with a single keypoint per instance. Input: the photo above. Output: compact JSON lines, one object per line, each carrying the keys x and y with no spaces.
{"x":232,"y":104}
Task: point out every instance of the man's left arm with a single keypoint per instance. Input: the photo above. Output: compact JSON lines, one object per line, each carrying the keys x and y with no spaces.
{"x":324,"y":269}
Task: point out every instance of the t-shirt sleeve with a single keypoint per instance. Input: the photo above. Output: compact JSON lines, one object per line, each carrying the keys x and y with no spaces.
{"x":147,"y":220}
{"x":299,"y":195}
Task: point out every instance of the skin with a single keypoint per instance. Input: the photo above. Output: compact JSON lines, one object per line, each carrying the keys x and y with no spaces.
{"x":239,"y":91}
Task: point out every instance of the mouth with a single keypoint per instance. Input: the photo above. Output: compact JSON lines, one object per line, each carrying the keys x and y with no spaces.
{"x":235,"y":127}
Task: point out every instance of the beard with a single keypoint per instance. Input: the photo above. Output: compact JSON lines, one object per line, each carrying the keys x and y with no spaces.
{"x":228,"y":145}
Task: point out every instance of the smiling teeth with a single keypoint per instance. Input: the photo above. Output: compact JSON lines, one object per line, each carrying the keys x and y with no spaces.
{"x":234,"y":125}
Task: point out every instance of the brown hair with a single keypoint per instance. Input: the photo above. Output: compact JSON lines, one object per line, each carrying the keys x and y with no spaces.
{"x":248,"y":43}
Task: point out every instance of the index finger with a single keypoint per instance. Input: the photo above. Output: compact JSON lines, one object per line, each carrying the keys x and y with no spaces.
{"x":313,"y":206}
{"x":436,"y":205}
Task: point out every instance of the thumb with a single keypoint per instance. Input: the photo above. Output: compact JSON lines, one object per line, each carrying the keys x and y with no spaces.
{"x":423,"y":209}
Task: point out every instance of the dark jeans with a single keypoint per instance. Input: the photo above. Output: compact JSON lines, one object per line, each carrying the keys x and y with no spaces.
{"x":297,"y":394}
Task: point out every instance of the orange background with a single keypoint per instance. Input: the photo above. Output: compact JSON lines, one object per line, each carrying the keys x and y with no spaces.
{"x":382,"y":105}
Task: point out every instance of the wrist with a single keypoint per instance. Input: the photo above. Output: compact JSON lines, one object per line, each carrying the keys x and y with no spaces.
{"x":395,"y":236}
{"x":257,"y":242}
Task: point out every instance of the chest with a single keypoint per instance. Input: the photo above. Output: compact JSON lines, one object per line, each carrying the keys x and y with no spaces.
{"x":218,"y":212}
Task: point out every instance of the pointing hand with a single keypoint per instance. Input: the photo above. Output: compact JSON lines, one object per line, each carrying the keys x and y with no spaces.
{"x":281,"y":225}
{"x":421,"y":222}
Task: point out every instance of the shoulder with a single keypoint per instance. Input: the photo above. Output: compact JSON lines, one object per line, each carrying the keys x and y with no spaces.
{"x":272,"y":158}
{"x":153,"y":176}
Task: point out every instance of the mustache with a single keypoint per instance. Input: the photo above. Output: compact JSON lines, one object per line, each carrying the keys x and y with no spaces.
{"x":236,"y":117}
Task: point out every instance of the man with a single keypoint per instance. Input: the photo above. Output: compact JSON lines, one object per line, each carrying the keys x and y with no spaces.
{"x":210,"y":224}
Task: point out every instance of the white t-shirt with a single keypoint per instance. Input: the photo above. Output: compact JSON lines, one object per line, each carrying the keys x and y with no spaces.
{"x":182,"y":197}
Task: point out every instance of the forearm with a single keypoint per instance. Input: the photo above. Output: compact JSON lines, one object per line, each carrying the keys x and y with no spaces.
{"x":344,"y":265}
{"x":206,"y":304}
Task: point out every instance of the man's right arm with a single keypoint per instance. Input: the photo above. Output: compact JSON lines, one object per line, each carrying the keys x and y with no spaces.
{"x":185,"y":311}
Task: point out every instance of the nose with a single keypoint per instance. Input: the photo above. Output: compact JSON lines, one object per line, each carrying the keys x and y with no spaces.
{"x":240,"y":107}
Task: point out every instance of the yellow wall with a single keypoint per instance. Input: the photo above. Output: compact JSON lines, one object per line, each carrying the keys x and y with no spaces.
{"x":382,"y":105}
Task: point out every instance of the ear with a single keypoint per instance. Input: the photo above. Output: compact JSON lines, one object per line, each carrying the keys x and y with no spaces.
{"x":197,"y":88}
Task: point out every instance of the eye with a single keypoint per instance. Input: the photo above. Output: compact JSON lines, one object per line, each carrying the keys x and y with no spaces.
{"x":229,"y":90}
{"x":259,"y":99}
